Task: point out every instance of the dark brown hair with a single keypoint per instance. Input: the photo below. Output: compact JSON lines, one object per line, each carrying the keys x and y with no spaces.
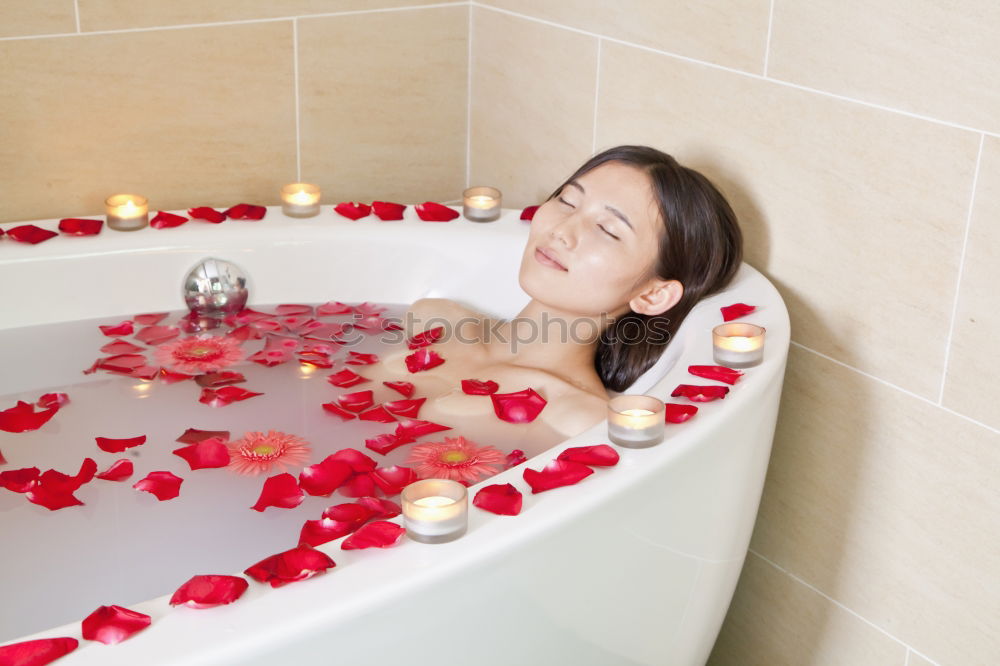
{"x":701,"y":247}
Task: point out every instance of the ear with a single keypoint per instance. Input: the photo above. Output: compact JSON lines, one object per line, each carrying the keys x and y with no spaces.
{"x":658,"y":297}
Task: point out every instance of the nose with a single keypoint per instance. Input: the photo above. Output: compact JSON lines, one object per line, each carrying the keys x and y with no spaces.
{"x":565,"y":233}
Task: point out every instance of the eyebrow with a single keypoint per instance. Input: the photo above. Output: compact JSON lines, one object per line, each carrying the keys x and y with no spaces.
{"x":611,"y":209}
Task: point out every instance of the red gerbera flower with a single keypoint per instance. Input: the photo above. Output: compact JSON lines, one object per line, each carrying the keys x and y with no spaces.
{"x":258,"y":452}
{"x":456,"y":458}
{"x":197,"y":355}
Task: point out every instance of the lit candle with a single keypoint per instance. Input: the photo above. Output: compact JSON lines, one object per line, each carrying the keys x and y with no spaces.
{"x":127,"y":212}
{"x":435,"y":510}
{"x":635,"y":421}
{"x":738,"y":344}
{"x":300,"y":199}
{"x":481,"y":204}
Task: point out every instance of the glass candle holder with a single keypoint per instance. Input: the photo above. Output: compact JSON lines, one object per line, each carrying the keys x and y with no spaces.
{"x":435,"y":510}
{"x":481,"y":204}
{"x":127,"y":212}
{"x":636,"y":421}
{"x":300,"y":199}
{"x":738,"y":345}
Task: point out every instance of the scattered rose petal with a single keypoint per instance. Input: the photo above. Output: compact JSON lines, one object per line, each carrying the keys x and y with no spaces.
{"x":357,"y":402}
{"x":124,"y":328}
{"x":207,"y":453}
{"x":290,"y":566}
{"x":392,"y":480}
{"x":380,"y":508}
{"x":29,"y":233}
{"x":113,"y":624}
{"x":337,"y":410}
{"x":515,"y":458}
{"x":500,"y":498}
{"x":245,"y":211}
{"x":346,"y":378}
{"x":407,"y":408}
{"x":38,"y":652}
{"x":75,"y":226}
{"x":216,"y":379}
{"x":700,"y":393}
{"x":164,"y":220}
{"x":378,"y":415}
{"x":357,"y":460}
{"x":423,"y":359}
{"x":430,"y":211}
{"x":293,"y":309}
{"x":556,"y":474}
{"x":171,"y":377}
{"x":736,"y":310}
{"x":119,"y":471}
{"x":52,"y":498}
{"x":162,"y":484}
{"x":207,"y":214}
{"x":386,"y":210}
{"x":192,"y":435}
{"x":403,"y":388}
{"x":353,"y":513}
{"x":354,"y":358}
{"x":317,"y":532}
{"x":118,"y":445}
{"x":121,"y":347}
{"x":353,"y":210}
{"x":599,"y":455}
{"x":368,"y":309}
{"x":414,"y":428}
{"x":150,"y":318}
{"x":675,"y":413}
{"x":333,"y":308}
{"x":519,"y":407}
{"x":476,"y":387}
{"x":716,"y":372}
{"x":155,"y":335}
{"x":376,"y":534}
{"x":280,"y":490}
{"x":324,"y":477}
{"x":529,"y":213}
{"x":50,"y":400}
{"x":386,"y":442}
{"x":359,"y":485}
{"x":19,"y":480}
{"x":428,"y":337}
{"x":208,"y":591}
{"x":225,"y":395}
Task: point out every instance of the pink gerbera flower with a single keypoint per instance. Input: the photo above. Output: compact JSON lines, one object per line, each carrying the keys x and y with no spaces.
{"x":197,"y":355}
{"x":258,"y":452}
{"x":456,"y":458}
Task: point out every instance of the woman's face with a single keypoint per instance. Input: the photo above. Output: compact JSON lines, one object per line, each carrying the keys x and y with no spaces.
{"x":592,"y":247}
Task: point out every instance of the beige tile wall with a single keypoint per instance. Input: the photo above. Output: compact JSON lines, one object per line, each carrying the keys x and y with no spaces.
{"x":36,"y":17}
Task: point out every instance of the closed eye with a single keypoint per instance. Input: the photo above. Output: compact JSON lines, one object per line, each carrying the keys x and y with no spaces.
{"x":563,"y":201}
{"x":602,"y":228}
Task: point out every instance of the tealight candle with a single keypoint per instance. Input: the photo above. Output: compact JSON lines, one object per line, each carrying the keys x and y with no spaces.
{"x":481,"y":204}
{"x":636,"y":421}
{"x":738,"y":344}
{"x":300,"y":199}
{"x":127,"y":212}
{"x":435,"y":510}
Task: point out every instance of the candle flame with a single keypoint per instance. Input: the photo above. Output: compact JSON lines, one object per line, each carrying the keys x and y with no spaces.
{"x":433,"y":501}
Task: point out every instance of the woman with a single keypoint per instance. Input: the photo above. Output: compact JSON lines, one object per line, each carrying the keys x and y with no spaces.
{"x":615,"y":259}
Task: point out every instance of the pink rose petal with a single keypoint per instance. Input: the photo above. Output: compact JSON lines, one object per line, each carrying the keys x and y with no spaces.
{"x":599,"y":455}
{"x":207,"y":453}
{"x":163,"y":220}
{"x":38,"y":652}
{"x":290,"y":566}
{"x":556,"y":474}
{"x":376,"y":534}
{"x":386,"y":210}
{"x":118,"y":445}
{"x":476,"y":387}
{"x":353,"y":210}
{"x":208,"y":591}
{"x":423,"y":359}
{"x":403,"y":388}
{"x":519,"y":407}
{"x":736,"y":310}
{"x":280,"y":490}
{"x":119,"y":471}
{"x":29,"y":233}
{"x":501,"y":499}
{"x":113,"y":624}
{"x":700,"y":393}
{"x":75,"y":226}
{"x":675,"y":413}
{"x":162,"y":484}
{"x":430,"y":211}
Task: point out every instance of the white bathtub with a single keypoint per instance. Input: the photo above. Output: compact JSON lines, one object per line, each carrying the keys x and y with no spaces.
{"x":635,"y":565}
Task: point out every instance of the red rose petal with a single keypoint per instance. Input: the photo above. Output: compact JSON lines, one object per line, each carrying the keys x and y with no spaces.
{"x":357,"y":402}
{"x":716,"y":372}
{"x":357,"y":460}
{"x":225,"y":395}
{"x":407,"y":408}
{"x":599,"y":455}
{"x":556,"y":474}
{"x":359,"y":485}
{"x":386,"y":442}
{"x":216,"y":379}
{"x":403,"y":388}
{"x":376,"y":534}
{"x":675,"y":413}
{"x":237,"y":212}
{"x":354,"y":513}
{"x":386,"y":210}
{"x":529,"y":213}
{"x":29,"y":233}
{"x":76,"y":226}
{"x":163,"y":220}
{"x":192,"y":435}
{"x":346,"y":378}
{"x":736,"y":310}
{"x":22,"y":417}
{"x":208,"y":591}
{"x":430,"y":211}
{"x":501,"y":498}
{"x":150,"y":318}
{"x":171,"y":377}
{"x":124,"y":328}
{"x":123,"y":363}
{"x":700,"y":393}
{"x":378,"y":415}
{"x":414,"y":428}
{"x":290,"y":566}
{"x":119,"y":471}
{"x":423,"y":359}
{"x":520,"y":407}
{"x":318,"y":532}
{"x":333,"y":308}
{"x":155,"y":335}
{"x":353,"y":210}
{"x":337,"y":410}
{"x":121,"y":347}
{"x":50,"y":400}
{"x":163,"y":484}
{"x":207,"y":453}
{"x":51,"y":498}
{"x":476,"y":387}
{"x":380,"y":508}
{"x":118,"y":445}
{"x":19,"y":480}
{"x":324,"y":477}
{"x":392,"y":480}
{"x":354,"y":358}
{"x":37,"y":652}
{"x":280,"y":490}
{"x":207,"y":214}
{"x":515,"y":458}
{"x":428,"y":337}
{"x":113,"y":624}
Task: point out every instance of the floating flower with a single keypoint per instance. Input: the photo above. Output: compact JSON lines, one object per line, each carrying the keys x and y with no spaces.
{"x":223,"y":396}
{"x":257,"y":452}
{"x":75,"y":226}
{"x":207,"y":453}
{"x":423,"y":359}
{"x":407,"y":408}
{"x":290,"y":566}
{"x":163,"y":220}
{"x":528,"y":213}
{"x":428,"y":337}
{"x":519,"y":407}
{"x":456,"y":458}
{"x":736,"y":310}
{"x":119,"y":471}
{"x":476,"y":387}
{"x":280,"y":490}
{"x":22,"y":417}
{"x":700,"y":393}
{"x":675,"y":413}
{"x":600,"y":455}
{"x":113,"y":624}
{"x":209,"y":591}
{"x":197,"y":355}
{"x":430,"y":211}
{"x":353,"y":210}
{"x":207,"y":214}
{"x":376,"y":534}
{"x":37,"y":652}
{"x":164,"y":485}
{"x":717,"y":372}
{"x":29,"y":233}
{"x":405,"y":389}
{"x":386,"y":210}
{"x":556,"y":474}
{"x":501,"y":499}
{"x":118,"y":445}
{"x":346,"y":378}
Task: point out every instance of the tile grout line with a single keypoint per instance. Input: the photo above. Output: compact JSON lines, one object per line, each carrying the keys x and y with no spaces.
{"x":906,"y":662}
{"x":76,"y":13}
{"x":731,"y":70}
{"x":842,"y":606}
{"x":597,"y":96}
{"x":767,"y":42}
{"x":898,"y":388}
{"x":468,"y":101}
{"x":961,"y":269}
{"x":295,"y":80}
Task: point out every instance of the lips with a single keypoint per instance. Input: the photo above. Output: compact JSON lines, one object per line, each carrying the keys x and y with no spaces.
{"x":547,"y":258}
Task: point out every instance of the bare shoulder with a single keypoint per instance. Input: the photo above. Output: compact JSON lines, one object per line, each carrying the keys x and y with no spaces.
{"x":572,"y":411}
{"x":427,"y":313}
